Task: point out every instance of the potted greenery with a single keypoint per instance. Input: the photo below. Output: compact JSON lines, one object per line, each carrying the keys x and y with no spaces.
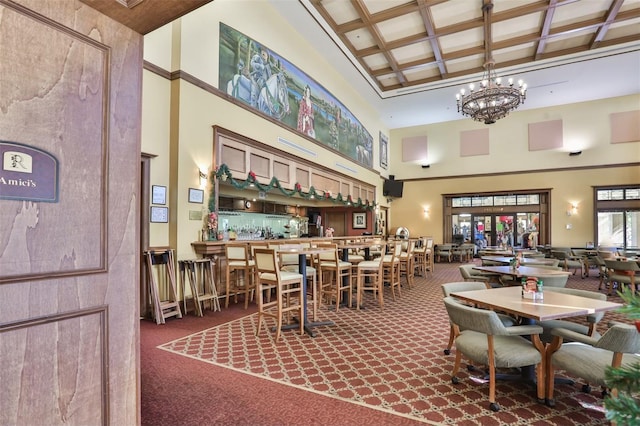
{"x":624,"y":408}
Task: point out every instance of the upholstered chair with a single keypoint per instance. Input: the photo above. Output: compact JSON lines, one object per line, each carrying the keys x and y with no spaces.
{"x":482,"y":338}
{"x":588,"y":357}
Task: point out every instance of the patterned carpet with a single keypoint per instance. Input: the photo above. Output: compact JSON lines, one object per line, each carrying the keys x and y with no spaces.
{"x":390,"y":360}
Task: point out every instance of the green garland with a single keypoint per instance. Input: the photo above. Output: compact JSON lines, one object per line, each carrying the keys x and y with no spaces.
{"x":224,"y":174}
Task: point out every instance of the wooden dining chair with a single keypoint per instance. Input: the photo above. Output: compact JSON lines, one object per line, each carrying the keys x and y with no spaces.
{"x":289,"y":298}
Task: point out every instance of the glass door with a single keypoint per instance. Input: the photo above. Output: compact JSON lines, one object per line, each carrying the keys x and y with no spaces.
{"x":495,"y":230}
{"x":527,"y":230}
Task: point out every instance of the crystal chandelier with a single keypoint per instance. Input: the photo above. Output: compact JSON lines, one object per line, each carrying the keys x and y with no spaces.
{"x":491,"y":100}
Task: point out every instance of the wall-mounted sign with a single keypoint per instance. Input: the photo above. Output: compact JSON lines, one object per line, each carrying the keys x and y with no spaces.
{"x":28,"y":173}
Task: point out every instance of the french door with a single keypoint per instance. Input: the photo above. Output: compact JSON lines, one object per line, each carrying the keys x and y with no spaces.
{"x":514,"y":219}
{"x":509,"y":230}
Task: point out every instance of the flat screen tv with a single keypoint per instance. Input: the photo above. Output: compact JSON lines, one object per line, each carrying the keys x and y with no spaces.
{"x":392,"y":188}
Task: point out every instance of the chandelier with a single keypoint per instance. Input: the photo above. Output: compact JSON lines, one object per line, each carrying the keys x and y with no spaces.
{"x":491,"y":100}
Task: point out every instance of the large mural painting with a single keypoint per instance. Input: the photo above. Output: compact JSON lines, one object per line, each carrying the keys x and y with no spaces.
{"x":267,"y":82}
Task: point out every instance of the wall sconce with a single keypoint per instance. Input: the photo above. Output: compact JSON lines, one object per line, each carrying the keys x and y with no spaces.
{"x":572,"y":210}
{"x":203,"y":178}
{"x":425,"y":210}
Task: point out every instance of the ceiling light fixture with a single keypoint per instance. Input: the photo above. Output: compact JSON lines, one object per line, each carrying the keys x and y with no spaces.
{"x":491,"y":101}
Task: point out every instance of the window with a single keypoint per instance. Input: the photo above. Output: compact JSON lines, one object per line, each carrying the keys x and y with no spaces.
{"x":618,"y":217}
{"x":497,"y":200}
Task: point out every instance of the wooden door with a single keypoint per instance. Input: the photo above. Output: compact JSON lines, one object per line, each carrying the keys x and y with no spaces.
{"x":337,"y":221}
{"x":69,"y":313}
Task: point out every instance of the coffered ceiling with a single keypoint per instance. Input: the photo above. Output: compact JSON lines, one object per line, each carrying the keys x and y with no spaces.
{"x":408,"y":58}
{"x":403,"y":44}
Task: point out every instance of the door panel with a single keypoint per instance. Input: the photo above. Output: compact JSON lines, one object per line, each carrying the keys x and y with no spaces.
{"x":336,"y":220}
{"x":69,"y":269}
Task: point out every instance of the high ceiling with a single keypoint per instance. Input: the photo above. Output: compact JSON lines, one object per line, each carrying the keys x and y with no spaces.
{"x":410,"y":57}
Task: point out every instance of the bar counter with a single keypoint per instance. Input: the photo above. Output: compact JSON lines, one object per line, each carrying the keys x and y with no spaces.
{"x":215,"y":250}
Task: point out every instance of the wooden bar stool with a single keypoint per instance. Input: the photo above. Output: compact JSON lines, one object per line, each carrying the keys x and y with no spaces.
{"x":289,"y":291}
{"x":407,"y":269}
{"x":338,"y":273}
{"x":242,"y":268}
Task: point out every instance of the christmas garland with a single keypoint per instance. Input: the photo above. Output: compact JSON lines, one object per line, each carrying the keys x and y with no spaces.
{"x":224,"y":174}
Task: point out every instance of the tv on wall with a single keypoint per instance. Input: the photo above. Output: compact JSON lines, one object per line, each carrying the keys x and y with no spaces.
{"x":392,"y":188}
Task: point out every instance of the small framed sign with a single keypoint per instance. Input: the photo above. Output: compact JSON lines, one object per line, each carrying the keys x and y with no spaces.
{"x":359,"y":220}
{"x":158,"y":194}
{"x":196,"y":195}
{"x":159,"y":214}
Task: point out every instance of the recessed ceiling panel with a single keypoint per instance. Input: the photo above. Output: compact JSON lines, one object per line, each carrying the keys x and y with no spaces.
{"x":375,"y":6}
{"x":340,"y":11}
{"x":376,"y":62}
{"x":413,"y":52}
{"x":516,"y":27}
{"x":401,"y":27}
{"x":361,"y":39}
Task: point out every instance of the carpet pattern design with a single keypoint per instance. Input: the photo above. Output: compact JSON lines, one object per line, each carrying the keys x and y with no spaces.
{"x":390,"y":360}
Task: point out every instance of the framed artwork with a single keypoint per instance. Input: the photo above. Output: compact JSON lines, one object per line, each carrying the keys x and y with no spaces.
{"x":384,"y":153}
{"x":244,"y":62}
{"x":159,"y":214}
{"x":196,"y":195}
{"x":158,"y":194}
{"x":359,"y":220}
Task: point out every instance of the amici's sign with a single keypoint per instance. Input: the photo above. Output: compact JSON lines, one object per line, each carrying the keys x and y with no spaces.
{"x":28,"y":173}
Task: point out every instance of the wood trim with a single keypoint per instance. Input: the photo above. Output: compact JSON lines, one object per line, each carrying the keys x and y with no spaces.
{"x":297,"y":161}
{"x":543,"y":209}
{"x":101,"y":264}
{"x":145,"y":196}
{"x":522,"y":172}
{"x":103,"y":312}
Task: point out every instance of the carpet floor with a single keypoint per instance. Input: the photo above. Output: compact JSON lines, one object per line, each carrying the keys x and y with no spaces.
{"x":372,"y":366}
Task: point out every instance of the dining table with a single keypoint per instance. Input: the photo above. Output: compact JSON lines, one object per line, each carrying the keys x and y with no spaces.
{"x":302,"y":253}
{"x":554,"y":305}
{"x":524,"y":261}
{"x":521,"y":271}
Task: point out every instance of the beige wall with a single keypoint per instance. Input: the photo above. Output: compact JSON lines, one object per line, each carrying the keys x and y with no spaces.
{"x":585,"y":127}
{"x":568,"y":187}
{"x":183,"y":138}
